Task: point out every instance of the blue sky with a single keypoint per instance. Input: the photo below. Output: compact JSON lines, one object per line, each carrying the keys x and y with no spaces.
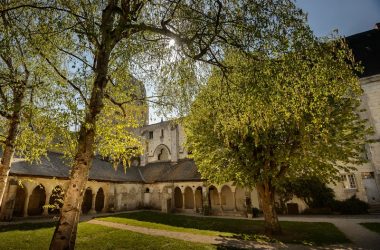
{"x":348,"y":16}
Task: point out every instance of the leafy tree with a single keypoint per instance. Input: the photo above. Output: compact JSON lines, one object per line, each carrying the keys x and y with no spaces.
{"x":106,"y":37}
{"x":26,"y":101}
{"x":289,"y":115}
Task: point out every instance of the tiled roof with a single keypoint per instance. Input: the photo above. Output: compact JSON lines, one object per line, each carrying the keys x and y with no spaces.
{"x":55,"y":166}
{"x":165,"y":171}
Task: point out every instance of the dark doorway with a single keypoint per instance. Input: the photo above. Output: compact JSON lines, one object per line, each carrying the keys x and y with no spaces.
{"x":99,"y":202}
{"x":87,"y":201}
{"x":18,"y":210}
{"x":37,"y":201}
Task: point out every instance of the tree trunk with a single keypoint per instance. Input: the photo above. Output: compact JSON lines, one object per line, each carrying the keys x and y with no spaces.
{"x":266,"y":193}
{"x":65,"y":231}
{"x":6,"y":159}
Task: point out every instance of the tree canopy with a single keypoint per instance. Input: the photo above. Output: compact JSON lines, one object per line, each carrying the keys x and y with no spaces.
{"x":290,"y":115}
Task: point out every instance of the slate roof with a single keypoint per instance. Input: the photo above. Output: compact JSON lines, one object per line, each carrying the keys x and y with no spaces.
{"x":165,"y":171}
{"x":55,"y":166}
{"x":366,"y":49}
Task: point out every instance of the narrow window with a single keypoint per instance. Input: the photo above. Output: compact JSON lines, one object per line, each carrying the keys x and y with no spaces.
{"x":162,"y":133}
{"x":150,"y":134}
{"x":352,"y":181}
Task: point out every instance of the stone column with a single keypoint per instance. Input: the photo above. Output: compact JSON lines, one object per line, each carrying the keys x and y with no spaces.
{"x":183,"y":200}
{"x":26,"y":205}
{"x":205,"y":197}
{"x":92,"y":210}
{"x":220,"y":201}
{"x":195,"y":201}
{"x":234,"y":198}
{"x":46,"y":209}
{"x":105,"y":204}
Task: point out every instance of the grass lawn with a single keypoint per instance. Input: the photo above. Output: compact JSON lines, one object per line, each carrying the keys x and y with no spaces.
{"x":373,"y":226}
{"x":38,"y":236}
{"x":313,"y":233}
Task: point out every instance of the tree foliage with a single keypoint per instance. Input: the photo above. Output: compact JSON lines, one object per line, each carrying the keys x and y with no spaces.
{"x":27,"y":100}
{"x":290,"y":115}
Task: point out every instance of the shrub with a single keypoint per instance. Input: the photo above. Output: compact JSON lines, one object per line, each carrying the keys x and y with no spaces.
{"x":350,"y":206}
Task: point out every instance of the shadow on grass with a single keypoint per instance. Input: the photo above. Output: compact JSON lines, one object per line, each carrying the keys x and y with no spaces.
{"x":306,"y":233}
{"x":26,"y":226}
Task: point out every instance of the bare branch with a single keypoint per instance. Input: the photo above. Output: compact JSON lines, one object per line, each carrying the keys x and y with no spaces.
{"x":119,"y":104}
{"x":41,"y":8}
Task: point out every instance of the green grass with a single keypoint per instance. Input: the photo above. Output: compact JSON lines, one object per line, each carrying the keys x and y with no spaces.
{"x":373,"y":226}
{"x":313,"y":233}
{"x":38,"y":236}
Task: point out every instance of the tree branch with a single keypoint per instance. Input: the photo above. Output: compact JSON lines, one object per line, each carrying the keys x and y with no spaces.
{"x":41,"y":8}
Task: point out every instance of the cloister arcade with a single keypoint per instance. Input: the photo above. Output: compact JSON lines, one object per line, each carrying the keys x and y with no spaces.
{"x":219,"y":199}
{"x":41,"y":196}
{"x":45,"y":198}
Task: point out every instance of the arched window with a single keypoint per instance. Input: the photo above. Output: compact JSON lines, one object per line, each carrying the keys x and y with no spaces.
{"x":163,"y":155}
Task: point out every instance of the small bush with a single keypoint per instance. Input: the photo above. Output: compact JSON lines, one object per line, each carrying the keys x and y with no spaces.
{"x":350,"y":206}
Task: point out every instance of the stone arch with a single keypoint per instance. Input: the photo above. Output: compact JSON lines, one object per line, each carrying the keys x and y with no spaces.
{"x":213,"y":197}
{"x":56,"y":200}
{"x":18,"y":209}
{"x":198,"y":198}
{"x":99,"y":201}
{"x":162,"y":153}
{"x":227,"y":198}
{"x":37,"y":201}
{"x":189,"y":198}
{"x":87,"y":201}
{"x":178,"y":201}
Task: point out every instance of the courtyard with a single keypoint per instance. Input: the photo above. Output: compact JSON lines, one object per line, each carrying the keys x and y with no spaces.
{"x":181,"y":231}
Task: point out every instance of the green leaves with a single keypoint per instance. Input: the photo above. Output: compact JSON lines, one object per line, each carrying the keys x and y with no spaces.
{"x":290,"y":115}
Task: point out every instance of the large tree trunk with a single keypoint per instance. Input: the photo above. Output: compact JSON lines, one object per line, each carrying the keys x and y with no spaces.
{"x":266,"y":193}
{"x":65,"y":232}
{"x":5,"y":166}
{"x":6,"y":159}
